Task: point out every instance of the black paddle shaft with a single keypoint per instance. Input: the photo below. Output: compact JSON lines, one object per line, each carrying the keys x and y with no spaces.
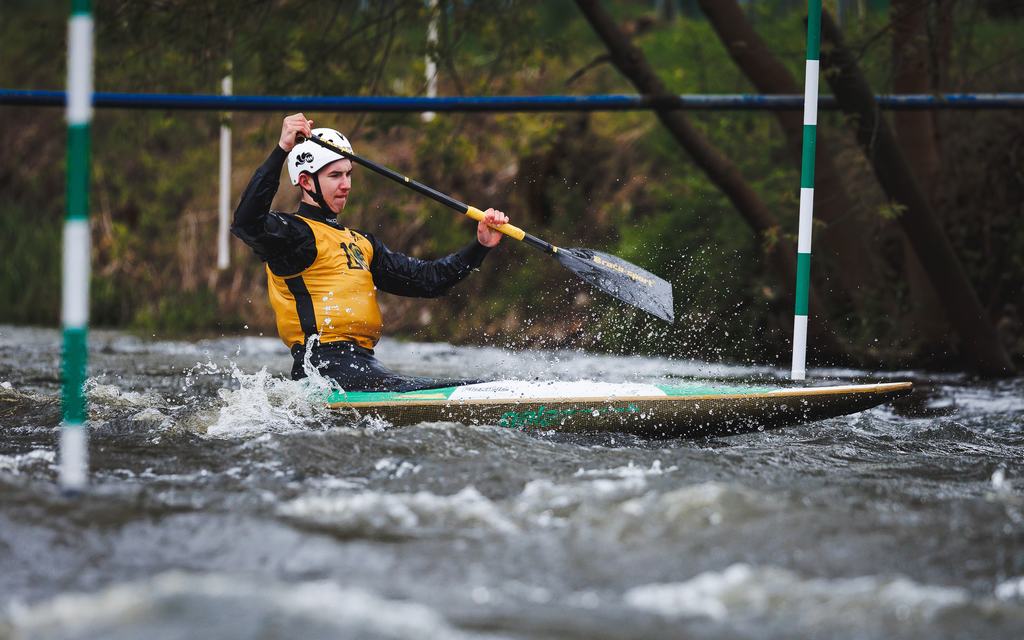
{"x":423,"y":189}
{"x":616,"y":277}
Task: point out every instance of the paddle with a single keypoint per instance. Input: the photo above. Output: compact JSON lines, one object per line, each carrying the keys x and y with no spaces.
{"x":616,"y":277}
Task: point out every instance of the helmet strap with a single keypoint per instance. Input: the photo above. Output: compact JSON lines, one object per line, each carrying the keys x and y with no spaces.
{"x":318,"y":195}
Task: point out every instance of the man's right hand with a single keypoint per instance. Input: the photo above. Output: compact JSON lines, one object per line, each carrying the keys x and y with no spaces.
{"x":292,"y":126}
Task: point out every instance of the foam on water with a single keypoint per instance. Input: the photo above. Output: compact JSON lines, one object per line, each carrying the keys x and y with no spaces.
{"x":979,"y":401}
{"x":1012,"y":589}
{"x":373,"y":513}
{"x":748,"y":592}
{"x":628,"y":510}
{"x":395,"y":468}
{"x":623,"y":508}
{"x":549,"y":498}
{"x":703,"y":505}
{"x":111,"y":395}
{"x":264,"y":403}
{"x":226,"y":606}
{"x":33,"y":460}
{"x":629,"y":471}
{"x":1000,"y":483}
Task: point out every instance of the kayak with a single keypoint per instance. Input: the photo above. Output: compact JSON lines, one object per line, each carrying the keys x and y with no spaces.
{"x":682,"y":410}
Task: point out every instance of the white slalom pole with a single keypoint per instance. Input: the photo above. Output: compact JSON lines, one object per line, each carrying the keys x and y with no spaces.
{"x":74,"y":445}
{"x":224,"y":199}
{"x":431,"y":63}
{"x":803,"y":255}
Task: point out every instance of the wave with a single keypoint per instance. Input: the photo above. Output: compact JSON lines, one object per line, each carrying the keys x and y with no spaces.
{"x":870,"y":605}
{"x":178,"y":604}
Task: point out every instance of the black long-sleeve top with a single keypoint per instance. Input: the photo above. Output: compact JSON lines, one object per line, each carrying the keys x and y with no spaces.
{"x":288,"y":246}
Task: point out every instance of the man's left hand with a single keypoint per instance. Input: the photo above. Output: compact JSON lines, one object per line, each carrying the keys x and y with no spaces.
{"x":487,"y":236}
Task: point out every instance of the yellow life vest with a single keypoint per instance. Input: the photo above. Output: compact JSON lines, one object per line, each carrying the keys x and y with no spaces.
{"x":334,"y":297}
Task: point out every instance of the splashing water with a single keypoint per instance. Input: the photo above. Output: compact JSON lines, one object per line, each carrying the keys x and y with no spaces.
{"x":263,"y":403}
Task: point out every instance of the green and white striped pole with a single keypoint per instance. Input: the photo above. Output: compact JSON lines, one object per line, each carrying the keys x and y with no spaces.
{"x":803,"y":255}
{"x":74,"y":451}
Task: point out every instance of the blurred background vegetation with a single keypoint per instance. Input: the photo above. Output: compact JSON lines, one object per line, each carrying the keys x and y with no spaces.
{"x":611,"y":181}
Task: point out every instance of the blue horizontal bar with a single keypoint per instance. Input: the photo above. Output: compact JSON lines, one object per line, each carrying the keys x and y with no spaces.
{"x":612,"y":102}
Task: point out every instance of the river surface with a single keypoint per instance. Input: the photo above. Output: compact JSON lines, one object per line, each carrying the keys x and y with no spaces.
{"x":225,"y":504}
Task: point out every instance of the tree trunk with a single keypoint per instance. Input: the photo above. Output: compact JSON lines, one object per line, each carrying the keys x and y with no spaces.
{"x":843,"y":236}
{"x":630,"y":61}
{"x":915,"y":131}
{"x":979,"y":345}
{"x":911,"y":74}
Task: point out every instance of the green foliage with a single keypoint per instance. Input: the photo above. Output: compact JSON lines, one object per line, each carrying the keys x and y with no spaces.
{"x":891,"y":210}
{"x":30,"y":262}
{"x":181,"y":311}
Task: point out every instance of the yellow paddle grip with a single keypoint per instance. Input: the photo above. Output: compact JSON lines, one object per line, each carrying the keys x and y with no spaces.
{"x":509,"y":230}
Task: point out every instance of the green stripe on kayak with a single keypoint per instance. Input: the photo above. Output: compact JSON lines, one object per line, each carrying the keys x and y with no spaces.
{"x":391,"y":396}
{"x":679,"y":390}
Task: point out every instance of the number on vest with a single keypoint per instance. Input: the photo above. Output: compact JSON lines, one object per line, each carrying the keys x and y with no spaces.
{"x":354,"y":255}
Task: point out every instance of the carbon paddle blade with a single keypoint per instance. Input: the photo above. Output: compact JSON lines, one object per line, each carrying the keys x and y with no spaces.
{"x":620,"y":279}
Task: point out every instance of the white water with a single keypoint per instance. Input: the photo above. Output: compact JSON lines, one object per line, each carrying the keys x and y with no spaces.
{"x":226,"y":499}
{"x":869,"y":604}
{"x":229,"y":606}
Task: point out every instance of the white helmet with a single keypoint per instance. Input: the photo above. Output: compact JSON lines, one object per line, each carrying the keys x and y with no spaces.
{"x":310,"y":157}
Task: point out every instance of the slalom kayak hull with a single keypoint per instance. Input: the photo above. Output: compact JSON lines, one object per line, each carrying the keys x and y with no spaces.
{"x":686,"y":411}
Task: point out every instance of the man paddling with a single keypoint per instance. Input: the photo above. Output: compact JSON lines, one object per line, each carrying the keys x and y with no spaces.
{"x":323,"y":277}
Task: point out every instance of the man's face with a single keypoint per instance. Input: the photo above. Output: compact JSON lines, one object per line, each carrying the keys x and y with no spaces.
{"x":335,"y":184}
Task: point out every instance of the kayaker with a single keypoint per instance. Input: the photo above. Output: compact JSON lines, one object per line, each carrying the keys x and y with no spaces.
{"x":323,"y":277}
